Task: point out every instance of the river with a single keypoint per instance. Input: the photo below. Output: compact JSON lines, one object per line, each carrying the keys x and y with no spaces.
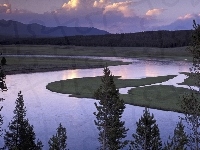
{"x":46,"y":109}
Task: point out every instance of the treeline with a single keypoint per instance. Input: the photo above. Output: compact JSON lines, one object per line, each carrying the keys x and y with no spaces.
{"x":161,"y":39}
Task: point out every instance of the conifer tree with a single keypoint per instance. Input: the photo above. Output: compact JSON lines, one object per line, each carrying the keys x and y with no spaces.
{"x":179,"y":140}
{"x":58,"y":141}
{"x":190,"y":103}
{"x":3,"y":87}
{"x":147,"y":136}
{"x":20,"y":134}
{"x":3,"y":61}
{"x":108,"y":115}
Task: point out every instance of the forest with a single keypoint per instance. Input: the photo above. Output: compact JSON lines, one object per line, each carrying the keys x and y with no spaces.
{"x":161,"y":39}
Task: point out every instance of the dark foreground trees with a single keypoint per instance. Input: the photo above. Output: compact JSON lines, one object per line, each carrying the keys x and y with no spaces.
{"x":3,"y":87}
{"x":58,"y":141}
{"x":3,"y":61}
{"x":20,"y":134}
{"x":108,"y":115}
{"x":191,"y":102}
{"x":147,"y":136}
{"x":179,"y":140}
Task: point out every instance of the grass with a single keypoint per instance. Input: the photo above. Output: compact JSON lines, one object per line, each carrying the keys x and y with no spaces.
{"x":159,"y":97}
{"x":190,"y":80}
{"x":163,"y":97}
{"x":85,"y":87}
{"x":41,"y":64}
{"x":178,"y":53}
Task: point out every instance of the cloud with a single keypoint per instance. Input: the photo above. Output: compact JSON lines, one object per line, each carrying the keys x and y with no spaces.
{"x":118,"y":7}
{"x":122,"y":7}
{"x":114,"y":17}
{"x":154,"y":12}
{"x":72,"y":4}
{"x":21,"y":11}
{"x":5,"y":8}
{"x":82,"y":7}
{"x":187,"y":16}
{"x":100,"y":3}
{"x":181,"y":23}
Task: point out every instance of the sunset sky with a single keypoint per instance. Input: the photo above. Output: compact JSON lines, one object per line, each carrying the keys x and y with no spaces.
{"x":115,"y":16}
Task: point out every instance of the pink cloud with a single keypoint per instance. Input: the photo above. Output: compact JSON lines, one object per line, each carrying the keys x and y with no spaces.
{"x":72,"y":4}
{"x":5,"y":8}
{"x":122,"y":7}
{"x":103,"y":14}
{"x":154,"y":12}
{"x":187,"y":16}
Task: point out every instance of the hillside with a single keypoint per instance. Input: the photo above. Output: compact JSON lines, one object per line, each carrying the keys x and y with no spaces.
{"x":14,"y":29}
{"x":13,"y":32}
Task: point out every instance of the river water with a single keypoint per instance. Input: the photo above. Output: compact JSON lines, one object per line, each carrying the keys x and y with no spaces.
{"x":46,"y":109}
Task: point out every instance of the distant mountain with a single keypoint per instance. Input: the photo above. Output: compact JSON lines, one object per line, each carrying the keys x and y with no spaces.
{"x":16,"y":29}
{"x":179,"y":24}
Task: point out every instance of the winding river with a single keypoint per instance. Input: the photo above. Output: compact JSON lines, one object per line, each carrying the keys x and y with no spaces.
{"x":45,"y":109}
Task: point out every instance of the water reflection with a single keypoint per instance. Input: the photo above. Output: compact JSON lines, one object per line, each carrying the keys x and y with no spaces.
{"x":46,"y":109}
{"x":70,"y":74}
{"x":151,"y":70}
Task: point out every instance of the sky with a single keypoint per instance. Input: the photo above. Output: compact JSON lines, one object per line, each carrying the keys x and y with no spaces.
{"x":114,"y":16}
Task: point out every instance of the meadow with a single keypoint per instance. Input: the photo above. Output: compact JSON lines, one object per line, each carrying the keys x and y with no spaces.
{"x":146,"y":96}
{"x":163,"y":97}
{"x":178,"y":53}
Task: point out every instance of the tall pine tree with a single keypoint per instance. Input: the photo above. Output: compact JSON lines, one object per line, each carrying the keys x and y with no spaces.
{"x":147,"y":136}
{"x":180,"y":139}
{"x":108,"y":115}
{"x":3,"y":87}
{"x":20,"y":134}
{"x":58,"y":141}
{"x":190,"y":103}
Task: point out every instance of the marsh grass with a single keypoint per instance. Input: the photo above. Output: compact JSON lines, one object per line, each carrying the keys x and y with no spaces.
{"x":86,"y":86}
{"x":178,"y":53}
{"x":42,"y":64}
{"x":190,"y":80}
{"x":163,"y":97}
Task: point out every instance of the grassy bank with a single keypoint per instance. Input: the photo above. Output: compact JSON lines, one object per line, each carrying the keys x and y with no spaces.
{"x":178,"y":53}
{"x":85,"y":87}
{"x":161,"y":97}
{"x":17,"y":65}
{"x":190,"y":80}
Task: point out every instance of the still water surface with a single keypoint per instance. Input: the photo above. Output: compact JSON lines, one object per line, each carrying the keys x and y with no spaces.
{"x":46,"y":109}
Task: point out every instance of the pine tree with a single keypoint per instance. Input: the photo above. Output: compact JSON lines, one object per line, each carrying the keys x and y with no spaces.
{"x":190,"y":103}
{"x":147,"y":136}
{"x":3,"y":61}
{"x":110,"y":110}
{"x":179,"y":140}
{"x":2,"y":79}
{"x":3,"y":87}
{"x":191,"y":108}
{"x":21,"y":135}
{"x":58,"y":141}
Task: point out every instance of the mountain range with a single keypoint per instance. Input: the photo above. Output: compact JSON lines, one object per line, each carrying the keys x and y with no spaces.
{"x":14,"y":29}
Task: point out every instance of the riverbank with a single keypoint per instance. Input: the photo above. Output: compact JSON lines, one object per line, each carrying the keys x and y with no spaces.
{"x":19,"y":65}
{"x":178,"y":53}
{"x":158,"y":96}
